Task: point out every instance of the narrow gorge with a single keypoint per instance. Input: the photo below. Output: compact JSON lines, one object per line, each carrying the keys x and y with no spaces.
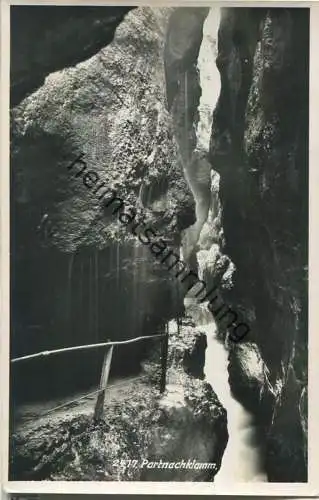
{"x":198,"y":118}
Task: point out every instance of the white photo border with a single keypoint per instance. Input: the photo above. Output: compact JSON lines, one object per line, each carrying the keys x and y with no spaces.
{"x":311,"y":488}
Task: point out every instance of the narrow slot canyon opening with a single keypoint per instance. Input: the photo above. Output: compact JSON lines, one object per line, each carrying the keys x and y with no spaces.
{"x":243,"y":457}
{"x":198,"y":170}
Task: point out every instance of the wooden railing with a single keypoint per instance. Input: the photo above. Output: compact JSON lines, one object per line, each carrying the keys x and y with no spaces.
{"x":106,"y":366}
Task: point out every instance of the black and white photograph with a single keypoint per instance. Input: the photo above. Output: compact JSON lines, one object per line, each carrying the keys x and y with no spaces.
{"x":159,"y":186}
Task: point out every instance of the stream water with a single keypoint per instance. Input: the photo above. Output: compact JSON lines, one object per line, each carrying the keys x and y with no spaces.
{"x":242,"y":460}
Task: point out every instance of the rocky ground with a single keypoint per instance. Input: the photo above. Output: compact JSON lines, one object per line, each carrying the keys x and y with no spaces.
{"x":186,"y":422}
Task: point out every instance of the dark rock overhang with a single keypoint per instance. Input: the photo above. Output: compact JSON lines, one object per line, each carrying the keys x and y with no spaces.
{"x":65,"y":36}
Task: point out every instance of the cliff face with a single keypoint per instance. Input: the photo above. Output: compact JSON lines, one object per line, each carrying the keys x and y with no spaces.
{"x":259,"y":146}
{"x":88,"y":272}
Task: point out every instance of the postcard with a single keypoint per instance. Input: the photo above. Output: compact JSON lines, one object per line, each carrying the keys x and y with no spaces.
{"x":156,"y":241}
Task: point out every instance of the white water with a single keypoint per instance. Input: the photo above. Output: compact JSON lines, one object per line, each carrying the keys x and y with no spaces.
{"x":242,"y":458}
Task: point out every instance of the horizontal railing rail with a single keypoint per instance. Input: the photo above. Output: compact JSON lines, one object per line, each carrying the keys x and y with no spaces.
{"x":84,"y":347}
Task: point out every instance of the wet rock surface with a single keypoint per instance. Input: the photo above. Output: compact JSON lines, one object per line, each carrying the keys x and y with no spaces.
{"x":246,"y":362}
{"x":249,"y":381}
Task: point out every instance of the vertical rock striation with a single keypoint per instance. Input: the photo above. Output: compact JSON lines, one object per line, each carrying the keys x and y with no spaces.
{"x":259,"y":146}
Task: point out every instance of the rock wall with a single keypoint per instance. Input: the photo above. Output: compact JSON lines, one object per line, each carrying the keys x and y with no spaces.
{"x":259,"y":146}
{"x":78,"y":274}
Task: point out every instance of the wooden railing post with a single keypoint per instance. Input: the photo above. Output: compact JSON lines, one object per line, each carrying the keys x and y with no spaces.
{"x":178,"y":326}
{"x":164,"y":361}
{"x":99,"y":405}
